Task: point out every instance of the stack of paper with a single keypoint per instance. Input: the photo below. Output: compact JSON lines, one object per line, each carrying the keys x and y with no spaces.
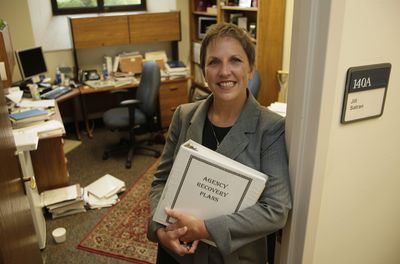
{"x":44,"y":129}
{"x":279,"y":108}
{"x":64,"y":201}
{"x":28,"y":117}
{"x":175,"y":69}
{"x":103,"y":192}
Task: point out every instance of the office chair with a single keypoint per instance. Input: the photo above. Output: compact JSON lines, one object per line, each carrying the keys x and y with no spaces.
{"x":254,"y":84}
{"x":132,"y":114}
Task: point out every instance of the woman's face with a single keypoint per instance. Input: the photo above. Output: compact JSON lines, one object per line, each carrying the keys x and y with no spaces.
{"x":227,"y":69}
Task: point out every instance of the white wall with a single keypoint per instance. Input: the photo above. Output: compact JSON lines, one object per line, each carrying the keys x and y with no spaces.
{"x":345,"y":178}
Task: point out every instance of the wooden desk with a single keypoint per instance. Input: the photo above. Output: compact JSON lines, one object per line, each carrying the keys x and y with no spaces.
{"x":73,"y":95}
{"x":46,"y":161}
{"x":49,"y":162}
{"x":172,"y":93}
{"x":87,"y":91}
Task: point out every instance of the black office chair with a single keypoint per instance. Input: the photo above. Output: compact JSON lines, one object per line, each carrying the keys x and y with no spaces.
{"x":254,"y":84}
{"x":136,"y":114}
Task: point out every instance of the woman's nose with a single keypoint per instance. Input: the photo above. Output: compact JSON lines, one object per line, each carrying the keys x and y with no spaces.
{"x":225,"y":69}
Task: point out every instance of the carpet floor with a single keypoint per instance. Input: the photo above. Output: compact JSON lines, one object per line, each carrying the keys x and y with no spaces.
{"x":85,"y":165}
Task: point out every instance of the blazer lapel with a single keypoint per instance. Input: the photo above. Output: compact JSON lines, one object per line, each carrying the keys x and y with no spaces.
{"x":195,"y":129}
{"x":237,"y":139}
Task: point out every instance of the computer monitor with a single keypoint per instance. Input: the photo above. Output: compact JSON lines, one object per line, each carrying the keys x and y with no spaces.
{"x":203,"y":24}
{"x":31,"y":62}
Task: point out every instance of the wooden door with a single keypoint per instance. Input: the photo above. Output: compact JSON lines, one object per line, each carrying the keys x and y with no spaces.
{"x":18,"y":240}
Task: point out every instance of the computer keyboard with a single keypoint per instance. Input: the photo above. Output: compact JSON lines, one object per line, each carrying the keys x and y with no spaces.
{"x":57,"y":92}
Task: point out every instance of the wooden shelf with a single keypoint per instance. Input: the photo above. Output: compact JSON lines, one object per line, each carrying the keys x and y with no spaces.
{"x":238,"y":8}
{"x":199,"y":13}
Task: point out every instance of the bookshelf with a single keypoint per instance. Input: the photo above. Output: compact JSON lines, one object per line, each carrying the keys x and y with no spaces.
{"x":267,"y":17}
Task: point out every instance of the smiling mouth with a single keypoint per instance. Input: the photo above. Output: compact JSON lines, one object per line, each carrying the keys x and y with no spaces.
{"x":227,"y":84}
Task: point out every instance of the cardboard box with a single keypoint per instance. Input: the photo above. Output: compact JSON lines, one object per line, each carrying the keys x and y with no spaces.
{"x":131,"y":64}
{"x":207,"y":184}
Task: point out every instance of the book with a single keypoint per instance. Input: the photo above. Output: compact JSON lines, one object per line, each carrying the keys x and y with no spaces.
{"x":207,"y":184}
{"x":176,"y":64}
{"x":65,"y":207}
{"x":106,"y":186}
{"x":29,"y":115}
{"x":62,"y":194}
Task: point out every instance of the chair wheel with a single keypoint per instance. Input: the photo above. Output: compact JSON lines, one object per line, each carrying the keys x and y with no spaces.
{"x":105,"y":156}
{"x":128,"y":165}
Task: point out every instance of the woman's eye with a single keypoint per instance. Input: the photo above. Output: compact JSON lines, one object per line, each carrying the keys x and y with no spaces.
{"x":212,"y":62}
{"x":236,"y":60}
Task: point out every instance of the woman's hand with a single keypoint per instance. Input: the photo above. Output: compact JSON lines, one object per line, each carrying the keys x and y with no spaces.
{"x":170,"y":240}
{"x":196,"y":228}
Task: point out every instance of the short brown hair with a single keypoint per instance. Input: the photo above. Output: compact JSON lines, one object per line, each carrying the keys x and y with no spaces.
{"x":220,"y":30}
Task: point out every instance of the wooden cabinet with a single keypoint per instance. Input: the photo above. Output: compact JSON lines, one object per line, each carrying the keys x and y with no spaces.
{"x":172,"y":94}
{"x":100,"y":31}
{"x":50,"y":164}
{"x":155,"y":27}
{"x":114,"y":30}
{"x":268,"y":19}
{"x":6,"y":55}
{"x":92,"y":32}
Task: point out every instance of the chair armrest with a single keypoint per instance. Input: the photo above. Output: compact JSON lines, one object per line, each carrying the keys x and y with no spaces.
{"x":130,"y":102}
{"x":118,"y":91}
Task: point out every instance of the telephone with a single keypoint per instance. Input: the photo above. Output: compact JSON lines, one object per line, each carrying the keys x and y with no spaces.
{"x":89,"y":75}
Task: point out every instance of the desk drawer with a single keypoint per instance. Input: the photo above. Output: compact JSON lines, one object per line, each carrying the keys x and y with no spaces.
{"x":172,"y":94}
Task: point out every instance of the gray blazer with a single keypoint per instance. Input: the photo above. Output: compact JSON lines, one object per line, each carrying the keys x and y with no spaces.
{"x":256,"y":140}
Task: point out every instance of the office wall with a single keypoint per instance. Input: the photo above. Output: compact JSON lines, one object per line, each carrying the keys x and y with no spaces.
{"x":345,"y":178}
{"x":32,"y":24}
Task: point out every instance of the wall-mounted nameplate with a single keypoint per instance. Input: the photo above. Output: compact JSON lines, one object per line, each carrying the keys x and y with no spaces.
{"x":365,"y":92}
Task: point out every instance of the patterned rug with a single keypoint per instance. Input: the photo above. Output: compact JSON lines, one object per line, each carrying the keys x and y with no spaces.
{"x":122,"y":231}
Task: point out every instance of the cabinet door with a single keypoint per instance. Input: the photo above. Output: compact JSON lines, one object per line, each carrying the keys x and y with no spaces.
{"x":155,"y":27}
{"x":172,"y":94}
{"x":49,"y":164}
{"x":100,"y":31}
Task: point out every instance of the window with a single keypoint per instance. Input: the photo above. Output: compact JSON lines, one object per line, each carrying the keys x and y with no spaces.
{"x":63,"y":7}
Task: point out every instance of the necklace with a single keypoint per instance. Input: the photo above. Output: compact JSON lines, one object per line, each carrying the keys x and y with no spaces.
{"x":215,"y":136}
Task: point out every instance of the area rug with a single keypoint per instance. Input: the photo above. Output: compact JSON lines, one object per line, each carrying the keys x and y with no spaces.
{"x":121,"y":233}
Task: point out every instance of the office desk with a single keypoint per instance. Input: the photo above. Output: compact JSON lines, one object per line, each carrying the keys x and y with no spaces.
{"x":73,"y":95}
{"x":172,"y":93}
{"x":49,"y":164}
{"x":43,"y":169}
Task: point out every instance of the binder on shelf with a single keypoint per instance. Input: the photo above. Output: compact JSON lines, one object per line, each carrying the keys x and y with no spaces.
{"x":207,"y":184}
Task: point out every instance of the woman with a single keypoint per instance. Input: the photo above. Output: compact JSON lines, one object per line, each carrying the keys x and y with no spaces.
{"x":233,"y":123}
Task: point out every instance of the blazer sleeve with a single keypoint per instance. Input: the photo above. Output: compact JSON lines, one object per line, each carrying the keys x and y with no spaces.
{"x":269,"y":214}
{"x":161,"y":175}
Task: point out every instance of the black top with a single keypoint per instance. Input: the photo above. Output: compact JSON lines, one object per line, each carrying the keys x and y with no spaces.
{"x":213,"y":135}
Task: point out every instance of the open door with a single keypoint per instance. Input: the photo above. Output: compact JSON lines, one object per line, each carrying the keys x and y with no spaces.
{"x":18,"y":240}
